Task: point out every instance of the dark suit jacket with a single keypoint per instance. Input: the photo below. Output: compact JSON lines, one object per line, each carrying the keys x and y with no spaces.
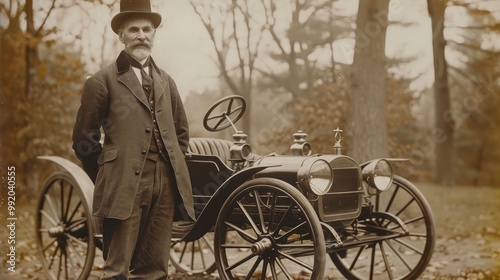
{"x":113,"y":100}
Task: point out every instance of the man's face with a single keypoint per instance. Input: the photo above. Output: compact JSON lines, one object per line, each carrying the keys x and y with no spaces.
{"x":137,"y":34}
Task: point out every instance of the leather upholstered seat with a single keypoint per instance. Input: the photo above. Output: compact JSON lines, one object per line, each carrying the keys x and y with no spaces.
{"x":211,"y":146}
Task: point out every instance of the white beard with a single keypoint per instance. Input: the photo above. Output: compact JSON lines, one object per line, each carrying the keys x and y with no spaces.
{"x":140,"y":53}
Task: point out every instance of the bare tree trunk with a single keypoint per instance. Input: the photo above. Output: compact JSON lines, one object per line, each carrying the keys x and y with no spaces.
{"x":367,"y":107}
{"x":31,"y":55}
{"x":444,"y":121}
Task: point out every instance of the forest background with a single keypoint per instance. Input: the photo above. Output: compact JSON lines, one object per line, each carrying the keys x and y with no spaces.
{"x":407,"y":79}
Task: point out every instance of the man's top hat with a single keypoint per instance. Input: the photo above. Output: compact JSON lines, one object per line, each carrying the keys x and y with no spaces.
{"x":129,"y":8}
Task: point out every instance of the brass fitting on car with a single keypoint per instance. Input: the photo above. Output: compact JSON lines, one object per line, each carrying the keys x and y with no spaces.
{"x":337,"y":148}
{"x":300,"y":147}
{"x":240,"y":151}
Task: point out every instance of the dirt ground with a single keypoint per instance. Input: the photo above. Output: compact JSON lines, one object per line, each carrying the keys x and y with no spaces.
{"x":467,"y":231}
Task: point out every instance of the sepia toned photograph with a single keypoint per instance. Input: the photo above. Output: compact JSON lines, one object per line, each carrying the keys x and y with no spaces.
{"x":238,"y":139}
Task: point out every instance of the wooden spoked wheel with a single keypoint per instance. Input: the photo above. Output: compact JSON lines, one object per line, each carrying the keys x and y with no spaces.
{"x":402,"y":257}
{"x":64,"y":232}
{"x":194,"y":258}
{"x":268,"y":229}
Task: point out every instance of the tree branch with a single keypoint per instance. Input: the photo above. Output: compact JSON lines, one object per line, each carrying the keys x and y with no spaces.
{"x":45,"y":19}
{"x":241,"y":60}
{"x":219,"y":52}
{"x":471,"y":47}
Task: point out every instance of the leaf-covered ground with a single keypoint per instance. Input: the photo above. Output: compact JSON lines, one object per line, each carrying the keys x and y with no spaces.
{"x":467,"y":231}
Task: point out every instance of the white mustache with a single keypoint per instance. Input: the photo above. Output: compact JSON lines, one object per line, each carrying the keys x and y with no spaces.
{"x":145,"y":44}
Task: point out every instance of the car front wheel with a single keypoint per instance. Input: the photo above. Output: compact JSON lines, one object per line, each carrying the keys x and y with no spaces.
{"x":268,"y":229}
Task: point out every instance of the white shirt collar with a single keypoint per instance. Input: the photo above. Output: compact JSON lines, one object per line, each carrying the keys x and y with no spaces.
{"x":137,"y":72}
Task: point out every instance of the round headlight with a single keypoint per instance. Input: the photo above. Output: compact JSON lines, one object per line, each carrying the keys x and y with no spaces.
{"x":306,"y":149}
{"x":320,"y":177}
{"x":378,"y":174}
{"x":301,"y":149}
{"x":246,"y":151}
{"x":240,"y":152}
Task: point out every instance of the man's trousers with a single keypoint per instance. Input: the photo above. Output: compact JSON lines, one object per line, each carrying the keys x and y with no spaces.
{"x":138,"y":247}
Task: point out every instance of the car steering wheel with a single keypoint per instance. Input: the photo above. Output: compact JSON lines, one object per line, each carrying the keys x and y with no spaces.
{"x":229,"y":110}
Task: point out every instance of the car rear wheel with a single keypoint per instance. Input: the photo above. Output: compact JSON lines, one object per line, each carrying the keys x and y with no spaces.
{"x":194,"y":258}
{"x":403,"y":257}
{"x":64,"y":232}
{"x":268,"y":229}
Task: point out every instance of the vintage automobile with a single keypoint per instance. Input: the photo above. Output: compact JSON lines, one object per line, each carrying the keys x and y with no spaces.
{"x":265,"y":217}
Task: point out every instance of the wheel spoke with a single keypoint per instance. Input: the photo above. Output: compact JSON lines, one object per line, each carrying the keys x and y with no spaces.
{"x":273,"y":270}
{"x":282,"y":221}
{"x":202,"y":256}
{"x":68,"y":202}
{"x":416,"y":219}
{"x":74,"y":268}
{"x":290,"y":232}
{"x":254,"y":267}
{"x":240,"y":262}
{"x":48,"y":217}
{"x":355,"y":260}
{"x":49,"y":245}
{"x":78,"y":257}
{"x":51,"y":205}
{"x":63,"y":218}
{"x":283,"y":269}
{"x":274,"y":197}
{"x":406,"y":206}
{"x":386,"y":262}
{"x":407,"y":222}
{"x":245,"y":235}
{"x":259,"y":210}
{"x":389,"y":204}
{"x":409,"y":246}
{"x":264,"y":269}
{"x":76,"y":223}
{"x":209,"y":246}
{"x":183,"y":251}
{"x":81,"y":243}
{"x":372,"y":261}
{"x":400,"y":256}
{"x":53,"y":257}
{"x":60,"y":264}
{"x":249,"y":218}
{"x":75,"y":210}
{"x":297,"y":261}
{"x":66,"y":264}
{"x":192,"y":255}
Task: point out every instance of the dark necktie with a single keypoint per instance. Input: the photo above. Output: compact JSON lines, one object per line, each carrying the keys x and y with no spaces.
{"x":147,"y":81}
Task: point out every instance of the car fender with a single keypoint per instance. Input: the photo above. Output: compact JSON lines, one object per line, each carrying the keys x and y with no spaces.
{"x":208,"y":215}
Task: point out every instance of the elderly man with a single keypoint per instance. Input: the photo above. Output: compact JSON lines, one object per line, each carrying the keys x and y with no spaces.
{"x":139,"y":171}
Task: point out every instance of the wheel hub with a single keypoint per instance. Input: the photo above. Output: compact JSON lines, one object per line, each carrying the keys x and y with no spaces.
{"x":56,"y":231}
{"x":262,"y":246}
